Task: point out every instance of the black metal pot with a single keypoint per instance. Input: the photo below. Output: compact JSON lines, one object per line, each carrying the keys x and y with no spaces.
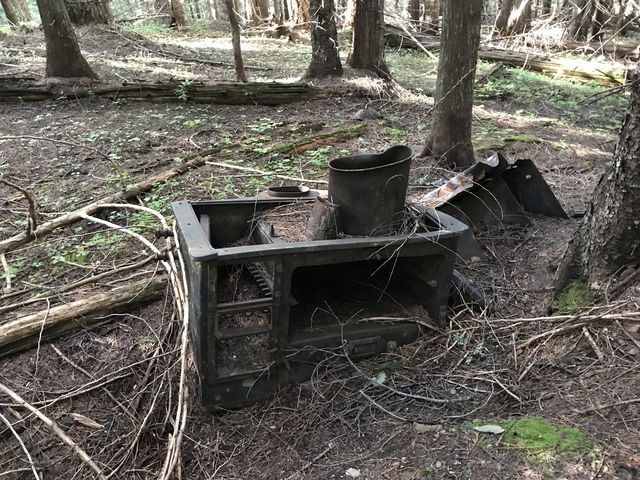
{"x":370,"y":190}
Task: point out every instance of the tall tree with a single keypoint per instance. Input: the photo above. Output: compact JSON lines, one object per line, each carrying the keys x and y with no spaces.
{"x":241,"y":75}
{"x":608,"y":238}
{"x":368,"y":42}
{"x":173,"y":11}
{"x":450,"y":136}
{"x":64,"y":59}
{"x":86,"y":12}
{"x":513,"y":18}
{"x":16,"y":11}
{"x":325,"y":60}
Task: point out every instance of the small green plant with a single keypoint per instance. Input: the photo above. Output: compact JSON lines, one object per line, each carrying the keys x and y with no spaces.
{"x":263,"y":125}
{"x":182,"y":90}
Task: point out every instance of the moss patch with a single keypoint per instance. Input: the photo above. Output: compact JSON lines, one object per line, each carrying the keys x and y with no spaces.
{"x":573,"y":298}
{"x":542,"y":439}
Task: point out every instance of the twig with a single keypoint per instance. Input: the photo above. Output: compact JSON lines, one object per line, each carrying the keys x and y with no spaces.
{"x":610,"y":405}
{"x":595,"y":348}
{"x":7,"y":273}
{"x":55,"y":429}
{"x":310,"y":463}
{"x":262,"y":172}
{"x":22,"y":445}
{"x":380,"y":407}
{"x":32,"y":224}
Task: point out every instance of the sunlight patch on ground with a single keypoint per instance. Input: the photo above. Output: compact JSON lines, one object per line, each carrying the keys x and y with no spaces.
{"x":149,"y":65}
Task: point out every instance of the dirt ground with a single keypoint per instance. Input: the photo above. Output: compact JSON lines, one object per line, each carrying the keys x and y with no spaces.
{"x":112,"y":388}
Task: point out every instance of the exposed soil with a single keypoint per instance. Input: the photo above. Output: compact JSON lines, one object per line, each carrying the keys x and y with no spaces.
{"x":485,"y":366}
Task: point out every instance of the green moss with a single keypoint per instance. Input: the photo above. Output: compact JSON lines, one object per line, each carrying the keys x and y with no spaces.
{"x":524,"y":138}
{"x":572,"y":299}
{"x":542,"y":439}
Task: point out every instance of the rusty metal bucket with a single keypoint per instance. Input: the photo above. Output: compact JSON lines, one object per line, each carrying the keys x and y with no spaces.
{"x":370,"y":190}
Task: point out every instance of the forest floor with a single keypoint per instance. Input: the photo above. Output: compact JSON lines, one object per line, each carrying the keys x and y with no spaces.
{"x":576,"y":392}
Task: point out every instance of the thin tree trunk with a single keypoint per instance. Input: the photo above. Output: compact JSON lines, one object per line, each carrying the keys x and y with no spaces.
{"x":325,"y":60}
{"x":580,"y":24}
{"x":87,"y":12}
{"x":546,"y":7}
{"x":64,"y":59}
{"x":601,"y":18}
{"x":368,"y":42}
{"x":413,"y":9}
{"x":451,"y":131}
{"x":501,"y":26}
{"x":241,"y":75}
{"x":304,"y":15}
{"x":16,"y":11}
{"x":178,"y":13}
{"x":609,"y":236}
{"x":432,"y":16}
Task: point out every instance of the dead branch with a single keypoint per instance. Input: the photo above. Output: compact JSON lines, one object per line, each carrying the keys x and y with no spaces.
{"x":610,"y":405}
{"x":32,"y":224}
{"x":72,"y":286}
{"x":52,"y":140}
{"x":22,"y":333}
{"x":7,"y":272}
{"x":6,"y":421}
{"x":55,"y":429}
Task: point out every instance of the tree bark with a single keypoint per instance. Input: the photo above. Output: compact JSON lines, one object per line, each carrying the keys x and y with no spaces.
{"x":325,"y":60}
{"x":608,"y":238}
{"x":87,"y":12}
{"x":64,"y":59}
{"x":450,"y":136}
{"x":368,"y":41}
{"x":16,"y":11}
{"x":173,"y":11}
{"x":241,"y":75}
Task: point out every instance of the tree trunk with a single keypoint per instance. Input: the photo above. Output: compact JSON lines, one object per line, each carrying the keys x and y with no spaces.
{"x":325,"y":60}
{"x":368,"y":42}
{"x":278,"y":12}
{"x":178,"y":13}
{"x":582,"y":16}
{"x":601,"y":18}
{"x":173,"y":11}
{"x":241,"y":75}
{"x":87,"y":12}
{"x":432,"y":16}
{"x":451,"y":131}
{"x":16,"y":11}
{"x":609,"y":237}
{"x":546,"y":7}
{"x":502,"y":20}
{"x":514,"y":18}
{"x":413,"y":9}
{"x":64,"y":59}
{"x":304,"y":15}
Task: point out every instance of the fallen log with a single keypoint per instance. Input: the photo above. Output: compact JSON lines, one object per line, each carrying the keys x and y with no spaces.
{"x":555,"y":67}
{"x":26,"y":331}
{"x":627,"y":51}
{"x":228,"y":93}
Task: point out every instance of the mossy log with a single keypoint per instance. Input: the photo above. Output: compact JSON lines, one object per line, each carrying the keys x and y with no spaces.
{"x":24,"y":332}
{"x":229,"y":93}
{"x":555,"y":67}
